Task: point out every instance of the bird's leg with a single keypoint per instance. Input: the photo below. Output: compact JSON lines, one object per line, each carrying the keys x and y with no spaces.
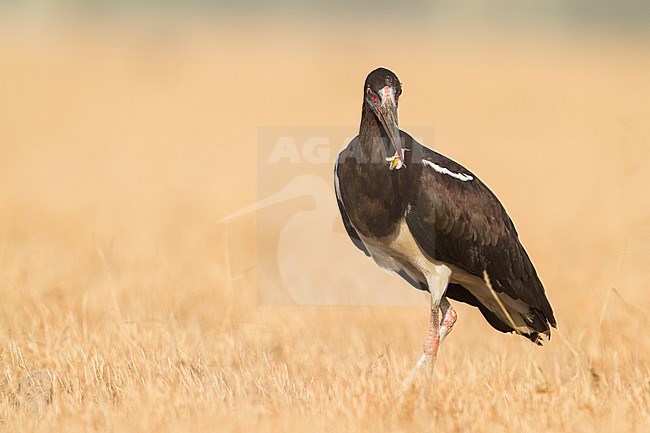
{"x":432,"y":343}
{"x":438,"y":329}
{"x":448,"y":320}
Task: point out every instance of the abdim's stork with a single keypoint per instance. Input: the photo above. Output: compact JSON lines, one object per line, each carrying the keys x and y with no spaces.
{"x":434,"y":223}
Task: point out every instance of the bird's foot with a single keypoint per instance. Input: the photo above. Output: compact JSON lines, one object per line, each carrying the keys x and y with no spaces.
{"x":449,"y":318}
{"x":395,"y":162}
{"x":426,"y":362}
{"x":423,"y":370}
{"x":420,"y":376}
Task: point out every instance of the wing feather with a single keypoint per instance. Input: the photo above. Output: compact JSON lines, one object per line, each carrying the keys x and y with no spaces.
{"x":349,"y":228}
{"x":462,"y":222}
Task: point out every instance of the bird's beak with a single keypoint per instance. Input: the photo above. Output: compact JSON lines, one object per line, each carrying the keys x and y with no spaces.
{"x":387,"y":114}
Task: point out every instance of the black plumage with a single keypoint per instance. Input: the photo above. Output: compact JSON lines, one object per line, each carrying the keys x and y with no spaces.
{"x":453,"y":217}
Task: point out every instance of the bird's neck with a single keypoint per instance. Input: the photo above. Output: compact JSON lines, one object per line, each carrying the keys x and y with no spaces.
{"x":375,"y":143}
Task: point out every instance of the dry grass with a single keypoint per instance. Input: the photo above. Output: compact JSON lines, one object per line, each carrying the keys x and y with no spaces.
{"x":118,"y":312}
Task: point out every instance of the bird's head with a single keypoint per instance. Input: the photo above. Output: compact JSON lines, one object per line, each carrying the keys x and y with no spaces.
{"x":381,"y":94}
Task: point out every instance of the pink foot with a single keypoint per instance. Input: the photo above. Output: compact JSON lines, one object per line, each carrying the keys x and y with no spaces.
{"x":449,"y":318}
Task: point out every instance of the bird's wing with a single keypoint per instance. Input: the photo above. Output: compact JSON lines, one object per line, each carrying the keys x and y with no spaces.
{"x":354,"y":236}
{"x":458,"y":220}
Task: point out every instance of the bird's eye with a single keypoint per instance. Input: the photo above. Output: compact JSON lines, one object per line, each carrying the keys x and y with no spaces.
{"x":372,"y":96}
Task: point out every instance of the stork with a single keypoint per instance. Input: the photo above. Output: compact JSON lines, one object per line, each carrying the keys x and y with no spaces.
{"x":433,"y":222}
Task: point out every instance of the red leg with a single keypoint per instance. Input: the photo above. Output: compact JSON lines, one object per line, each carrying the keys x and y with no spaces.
{"x":432,"y":343}
{"x":438,"y":327}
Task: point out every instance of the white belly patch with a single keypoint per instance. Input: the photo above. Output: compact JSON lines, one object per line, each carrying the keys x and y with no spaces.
{"x":401,"y":250}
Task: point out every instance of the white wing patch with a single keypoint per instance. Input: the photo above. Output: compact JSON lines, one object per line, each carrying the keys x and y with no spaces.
{"x":460,"y":176}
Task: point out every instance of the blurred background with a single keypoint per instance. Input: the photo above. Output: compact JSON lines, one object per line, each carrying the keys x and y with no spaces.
{"x":129,"y":130}
{"x":136,"y":118}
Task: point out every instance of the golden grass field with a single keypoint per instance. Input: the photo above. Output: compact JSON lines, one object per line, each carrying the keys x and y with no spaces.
{"x":124,"y":309}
